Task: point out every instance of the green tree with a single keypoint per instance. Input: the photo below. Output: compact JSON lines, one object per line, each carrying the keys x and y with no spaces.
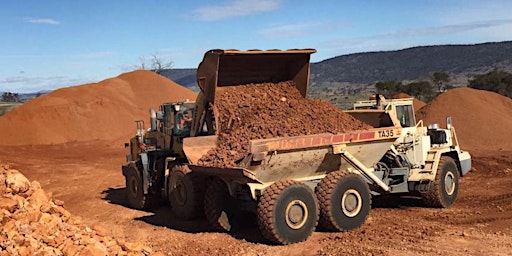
{"x":421,"y":90}
{"x":496,"y":81}
{"x":10,"y":97}
{"x":441,"y":80}
{"x":389,"y":88}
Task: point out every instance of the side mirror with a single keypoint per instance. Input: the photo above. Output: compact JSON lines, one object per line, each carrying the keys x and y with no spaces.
{"x":449,"y":122}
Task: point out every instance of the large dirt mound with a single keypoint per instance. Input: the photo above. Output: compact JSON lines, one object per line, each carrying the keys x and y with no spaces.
{"x":268,"y":110}
{"x":99,"y":111}
{"x":33,"y":223}
{"x":417,"y":104}
{"x":482,"y":119}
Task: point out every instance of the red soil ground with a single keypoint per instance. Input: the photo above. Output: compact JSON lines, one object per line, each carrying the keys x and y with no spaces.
{"x":84,"y":171}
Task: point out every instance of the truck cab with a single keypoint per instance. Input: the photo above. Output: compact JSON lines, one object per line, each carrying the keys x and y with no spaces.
{"x":419,"y":147}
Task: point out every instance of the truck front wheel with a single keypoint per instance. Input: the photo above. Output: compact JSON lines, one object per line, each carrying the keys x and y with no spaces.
{"x":443,"y":192}
{"x":287,"y":212}
{"x":186,"y":192}
{"x":136,"y":197}
{"x":344,"y":200}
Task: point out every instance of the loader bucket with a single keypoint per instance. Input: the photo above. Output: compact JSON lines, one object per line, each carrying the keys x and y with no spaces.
{"x":221,"y":68}
{"x":196,"y":147}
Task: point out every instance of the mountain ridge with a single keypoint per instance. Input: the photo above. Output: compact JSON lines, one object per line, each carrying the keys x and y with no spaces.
{"x":460,"y":61}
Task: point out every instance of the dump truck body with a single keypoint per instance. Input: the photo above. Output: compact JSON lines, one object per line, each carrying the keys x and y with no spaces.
{"x":303,"y":157}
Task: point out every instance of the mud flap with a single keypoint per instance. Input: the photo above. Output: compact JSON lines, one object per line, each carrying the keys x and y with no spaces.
{"x":465,"y":162}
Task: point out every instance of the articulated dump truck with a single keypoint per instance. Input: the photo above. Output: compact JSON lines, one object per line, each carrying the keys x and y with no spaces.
{"x":292,"y":184}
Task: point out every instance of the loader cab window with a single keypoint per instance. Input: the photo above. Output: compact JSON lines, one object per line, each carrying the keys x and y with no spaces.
{"x":183,"y":122}
{"x":405,"y":115}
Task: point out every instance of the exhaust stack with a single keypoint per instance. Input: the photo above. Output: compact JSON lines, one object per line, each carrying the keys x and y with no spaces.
{"x":152,"y":118}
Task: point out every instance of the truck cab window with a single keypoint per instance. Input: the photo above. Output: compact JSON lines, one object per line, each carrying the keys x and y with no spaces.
{"x":405,"y":115}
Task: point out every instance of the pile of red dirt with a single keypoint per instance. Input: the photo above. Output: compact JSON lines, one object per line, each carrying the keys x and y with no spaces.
{"x":98,"y":111}
{"x":417,"y":104}
{"x":33,"y":223}
{"x":268,"y":110}
{"x":482,"y":119}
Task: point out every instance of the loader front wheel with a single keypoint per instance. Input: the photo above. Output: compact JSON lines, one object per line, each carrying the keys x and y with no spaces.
{"x":218,"y":206}
{"x":186,"y":193}
{"x":135,"y":191}
{"x":287,"y":212}
{"x":345,"y":201}
{"x":443,"y":192}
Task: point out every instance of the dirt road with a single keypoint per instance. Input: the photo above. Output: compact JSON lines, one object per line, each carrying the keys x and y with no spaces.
{"x":88,"y":178}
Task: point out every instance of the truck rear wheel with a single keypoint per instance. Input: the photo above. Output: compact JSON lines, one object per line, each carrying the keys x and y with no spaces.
{"x":443,"y":193}
{"x":217,"y":205}
{"x":135,"y":191}
{"x":186,"y":192}
{"x":344,"y":200}
{"x":287,"y":212}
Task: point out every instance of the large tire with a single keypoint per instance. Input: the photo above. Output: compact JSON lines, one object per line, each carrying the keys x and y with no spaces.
{"x":287,"y":212}
{"x":186,"y":193}
{"x":135,"y":192}
{"x":445,"y":189}
{"x":218,"y":208}
{"x":344,"y":200}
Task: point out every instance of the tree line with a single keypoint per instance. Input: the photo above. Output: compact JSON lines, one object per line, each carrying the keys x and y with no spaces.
{"x":495,"y":81}
{"x":10,"y":97}
{"x":422,"y":90}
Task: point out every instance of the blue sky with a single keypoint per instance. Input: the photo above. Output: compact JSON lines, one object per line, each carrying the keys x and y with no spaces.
{"x":52,"y":44}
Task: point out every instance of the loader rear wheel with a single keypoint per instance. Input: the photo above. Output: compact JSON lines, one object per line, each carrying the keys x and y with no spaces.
{"x":135,"y":191}
{"x":217,"y":205}
{"x":344,"y":200}
{"x":287,"y":212}
{"x":443,"y":193}
{"x":186,"y":193}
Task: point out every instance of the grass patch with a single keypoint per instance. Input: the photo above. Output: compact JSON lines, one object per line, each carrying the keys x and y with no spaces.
{"x":8,"y":106}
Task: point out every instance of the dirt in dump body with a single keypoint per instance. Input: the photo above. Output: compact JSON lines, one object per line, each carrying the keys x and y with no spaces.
{"x":268,"y":110}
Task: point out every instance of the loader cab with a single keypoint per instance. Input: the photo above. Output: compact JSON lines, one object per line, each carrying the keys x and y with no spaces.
{"x":176,"y":118}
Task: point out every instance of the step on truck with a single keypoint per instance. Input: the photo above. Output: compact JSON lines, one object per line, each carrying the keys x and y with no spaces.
{"x":296,"y":184}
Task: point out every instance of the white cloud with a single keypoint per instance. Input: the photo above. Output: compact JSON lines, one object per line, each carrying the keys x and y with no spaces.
{"x":235,"y":8}
{"x":28,"y":84}
{"x":416,"y":32}
{"x":96,"y":55}
{"x":291,"y":30}
{"x":42,"y":21}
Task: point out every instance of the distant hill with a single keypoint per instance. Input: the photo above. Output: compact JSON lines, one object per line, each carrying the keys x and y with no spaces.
{"x":413,"y":63}
{"x":182,"y":76}
{"x":460,"y":61}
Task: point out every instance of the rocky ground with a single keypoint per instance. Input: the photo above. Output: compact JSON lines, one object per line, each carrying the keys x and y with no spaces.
{"x":34,"y":223}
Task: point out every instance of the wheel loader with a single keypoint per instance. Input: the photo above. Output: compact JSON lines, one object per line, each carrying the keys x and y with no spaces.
{"x":293,"y":185}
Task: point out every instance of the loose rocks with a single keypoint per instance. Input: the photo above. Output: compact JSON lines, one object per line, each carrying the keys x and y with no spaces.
{"x":32,"y":223}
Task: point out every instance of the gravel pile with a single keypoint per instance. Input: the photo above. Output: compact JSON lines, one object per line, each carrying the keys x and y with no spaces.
{"x":33,"y":223}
